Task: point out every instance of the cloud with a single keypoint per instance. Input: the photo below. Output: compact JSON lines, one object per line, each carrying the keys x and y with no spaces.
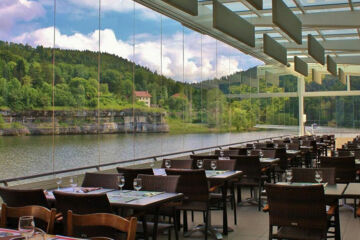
{"x":12,"y":11}
{"x":148,"y":52}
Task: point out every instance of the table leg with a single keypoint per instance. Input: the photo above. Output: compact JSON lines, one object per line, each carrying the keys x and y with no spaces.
{"x":225,"y":223}
{"x":156,"y":220}
{"x":144,"y":223}
{"x":337,"y":223}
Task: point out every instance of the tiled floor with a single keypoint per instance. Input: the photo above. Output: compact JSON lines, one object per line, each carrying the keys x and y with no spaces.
{"x":253,"y":225}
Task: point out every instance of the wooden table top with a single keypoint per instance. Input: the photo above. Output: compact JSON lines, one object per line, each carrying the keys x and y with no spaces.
{"x":8,"y":234}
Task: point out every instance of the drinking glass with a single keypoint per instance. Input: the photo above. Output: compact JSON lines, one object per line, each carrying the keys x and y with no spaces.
{"x":121,"y":182}
{"x":221,"y":154}
{"x":287,"y":146}
{"x":137,"y":184}
{"x":168,"y":164}
{"x":318,"y":176}
{"x":213,"y":165}
{"x":248,"y":152}
{"x":73,"y":183}
{"x":261,"y":154}
{"x":58,"y":182}
{"x":289,"y":175}
{"x":199,"y":163}
{"x":26,"y":226}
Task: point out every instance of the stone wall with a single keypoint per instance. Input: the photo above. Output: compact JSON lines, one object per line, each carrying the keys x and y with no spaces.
{"x":82,"y":122}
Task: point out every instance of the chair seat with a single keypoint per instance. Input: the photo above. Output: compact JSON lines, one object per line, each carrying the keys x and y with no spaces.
{"x":295,"y":233}
{"x":193,"y":205}
{"x":150,"y":227}
{"x":248,"y":182}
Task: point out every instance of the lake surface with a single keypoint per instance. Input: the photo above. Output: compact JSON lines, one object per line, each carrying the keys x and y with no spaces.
{"x":27,"y":155}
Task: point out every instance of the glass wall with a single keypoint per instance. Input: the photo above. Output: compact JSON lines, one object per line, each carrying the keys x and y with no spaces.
{"x":86,"y":84}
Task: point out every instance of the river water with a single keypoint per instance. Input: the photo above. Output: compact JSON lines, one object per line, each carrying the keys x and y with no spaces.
{"x":27,"y":155}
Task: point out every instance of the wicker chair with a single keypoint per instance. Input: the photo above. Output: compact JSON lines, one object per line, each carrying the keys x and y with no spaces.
{"x":98,"y":220}
{"x":227,"y":153}
{"x":103,"y":180}
{"x":193,"y":184}
{"x":308,"y":175}
{"x":131,"y":173}
{"x":40,"y":213}
{"x":344,"y":168}
{"x":241,"y":150}
{"x":82,"y":204}
{"x":228,"y":165}
{"x":252,"y":175}
{"x":164,"y":184}
{"x":23,"y":197}
{"x":298,"y":212}
{"x":179,"y":163}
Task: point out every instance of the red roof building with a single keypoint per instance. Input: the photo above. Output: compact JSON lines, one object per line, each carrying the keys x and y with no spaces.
{"x":143,"y":96}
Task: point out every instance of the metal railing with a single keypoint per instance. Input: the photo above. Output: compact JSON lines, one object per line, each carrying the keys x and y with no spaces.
{"x":155,"y":158}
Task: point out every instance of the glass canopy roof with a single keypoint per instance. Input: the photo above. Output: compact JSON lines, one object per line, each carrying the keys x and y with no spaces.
{"x":337,"y":34}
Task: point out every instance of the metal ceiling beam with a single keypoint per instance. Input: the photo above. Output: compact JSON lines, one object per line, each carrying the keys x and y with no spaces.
{"x":354,"y":60}
{"x":336,"y":45}
{"x":339,"y":20}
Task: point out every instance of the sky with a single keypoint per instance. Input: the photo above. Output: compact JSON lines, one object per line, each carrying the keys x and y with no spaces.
{"x":161,"y":44}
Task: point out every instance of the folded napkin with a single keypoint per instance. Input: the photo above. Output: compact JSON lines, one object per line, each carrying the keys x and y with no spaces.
{"x":89,"y":189}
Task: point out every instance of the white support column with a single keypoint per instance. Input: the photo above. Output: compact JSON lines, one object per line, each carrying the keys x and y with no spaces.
{"x":348,"y":86}
{"x":301,"y":89}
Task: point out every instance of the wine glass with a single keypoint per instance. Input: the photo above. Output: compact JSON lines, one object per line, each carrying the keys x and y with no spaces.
{"x":248,"y":152}
{"x":213,"y":165}
{"x":221,"y":154}
{"x":121,"y":182}
{"x":199,"y":163}
{"x":137,"y":184}
{"x":261,"y":154}
{"x":73,"y":183}
{"x":58,"y":182}
{"x":287,"y":146}
{"x":26,"y":226}
{"x":289,"y":175}
{"x":168,"y":164}
{"x":318,"y":176}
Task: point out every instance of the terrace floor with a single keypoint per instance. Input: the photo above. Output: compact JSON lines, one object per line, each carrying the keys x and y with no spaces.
{"x":253,"y":225}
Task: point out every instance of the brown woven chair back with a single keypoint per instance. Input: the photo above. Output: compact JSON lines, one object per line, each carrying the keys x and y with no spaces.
{"x":76,"y":223}
{"x":160,"y":183}
{"x":200,"y":157}
{"x":260,"y":145}
{"x":281,"y":154}
{"x":308,"y":175}
{"x":46,"y":216}
{"x":193,"y":183}
{"x":23,"y":197}
{"x":227,"y":153}
{"x":104,"y":180}
{"x":297,"y":206}
{"x":241,"y":151}
{"x":345,"y":171}
{"x":81,"y":203}
{"x":220,"y":164}
{"x":179,"y":163}
{"x":131,"y":173}
{"x":269,"y":153}
{"x":293,"y":146}
{"x":249,"y":165}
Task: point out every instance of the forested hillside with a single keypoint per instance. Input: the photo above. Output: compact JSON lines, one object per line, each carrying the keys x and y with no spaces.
{"x":26,"y":78}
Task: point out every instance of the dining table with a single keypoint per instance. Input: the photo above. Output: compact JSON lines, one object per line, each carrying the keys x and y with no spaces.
{"x":353,"y":191}
{"x":12,"y":234}
{"x":129,"y":199}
